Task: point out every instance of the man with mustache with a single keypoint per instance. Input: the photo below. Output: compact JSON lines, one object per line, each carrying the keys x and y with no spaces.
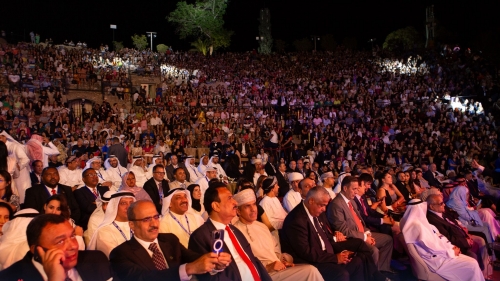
{"x":54,"y":255}
{"x":149,"y":255}
{"x":178,"y":218}
{"x":221,"y":208}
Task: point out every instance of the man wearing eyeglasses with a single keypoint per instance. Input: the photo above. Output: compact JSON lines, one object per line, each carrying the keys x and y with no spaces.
{"x":150,"y":255}
{"x":470,"y":245}
{"x":86,"y":196}
{"x":157,"y":186}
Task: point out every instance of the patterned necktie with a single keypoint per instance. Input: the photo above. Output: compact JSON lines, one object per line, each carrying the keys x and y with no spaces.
{"x":322,"y":234}
{"x":158,"y":258}
{"x":358,"y":222}
{"x":242,"y":254}
{"x":160,"y":192}
{"x":95,"y":192}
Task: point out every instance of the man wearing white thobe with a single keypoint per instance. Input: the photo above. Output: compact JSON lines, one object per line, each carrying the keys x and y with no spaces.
{"x":18,"y":150}
{"x":210,"y":173}
{"x":177,"y":216}
{"x":292,"y":197}
{"x":70,"y":174}
{"x":265,"y":247}
{"x":137,"y":167}
{"x":114,"y":171}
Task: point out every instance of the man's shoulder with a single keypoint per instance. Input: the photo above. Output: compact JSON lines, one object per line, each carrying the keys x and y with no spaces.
{"x":92,"y":256}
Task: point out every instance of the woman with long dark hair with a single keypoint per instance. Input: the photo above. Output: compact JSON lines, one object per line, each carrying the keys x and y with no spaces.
{"x":6,"y":193}
{"x":6,"y":215}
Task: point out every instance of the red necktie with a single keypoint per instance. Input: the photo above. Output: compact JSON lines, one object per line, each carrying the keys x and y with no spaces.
{"x":95,"y":192}
{"x":53,"y":191}
{"x":157,"y":257}
{"x":242,"y":254}
{"x":358,"y":222}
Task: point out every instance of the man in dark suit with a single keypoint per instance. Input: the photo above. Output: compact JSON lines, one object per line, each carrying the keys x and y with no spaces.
{"x":470,"y":245}
{"x":52,"y":237}
{"x":282,"y":180}
{"x":36,"y":174}
{"x":119,"y":151}
{"x":269,"y":167}
{"x":344,"y":216}
{"x":149,"y":255}
{"x":373,"y":219}
{"x":174,"y":164}
{"x":37,"y":195}
{"x":221,"y":207}
{"x":430,"y":176}
{"x":86,"y":195}
{"x":308,"y":239}
{"x":244,"y":148}
{"x":157,"y":186}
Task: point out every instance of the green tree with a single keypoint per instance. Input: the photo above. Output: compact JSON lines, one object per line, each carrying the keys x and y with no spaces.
{"x":266,"y":39}
{"x":201,"y":46}
{"x":161,"y":48}
{"x":327,"y":42}
{"x":203,"y":20}
{"x":402,"y":39}
{"x":303,"y":44}
{"x":140,"y":42}
{"x":117,"y":45}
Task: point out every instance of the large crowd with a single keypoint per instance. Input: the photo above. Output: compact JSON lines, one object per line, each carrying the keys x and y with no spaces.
{"x":339,"y":165}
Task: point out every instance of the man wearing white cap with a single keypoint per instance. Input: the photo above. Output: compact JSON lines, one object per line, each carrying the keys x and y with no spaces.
{"x":194,"y":174}
{"x":18,"y":150}
{"x":292,"y":197}
{"x":214,"y":163}
{"x":138,"y":168}
{"x":177,"y":216}
{"x":264,"y":246}
{"x":114,"y":229}
{"x":71,"y":174}
{"x":271,"y":204}
{"x":210,"y":173}
{"x":97,"y":216}
{"x":259,"y":170}
{"x":114,"y":171}
{"x":328,"y":181}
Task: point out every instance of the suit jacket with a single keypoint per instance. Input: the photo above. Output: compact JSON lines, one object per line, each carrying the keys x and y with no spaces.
{"x":91,"y":266}
{"x":131,"y":261}
{"x":201,"y":242}
{"x":152,"y":189}
{"x":453,"y":232}
{"x":283,"y":184}
{"x":120,"y":152}
{"x":38,"y":194}
{"x":299,"y":238}
{"x":373,"y":218}
{"x":271,"y":170}
{"x":170,"y":171}
{"x":34,"y":179}
{"x":239,"y":147}
{"x":431,"y":179}
{"x":86,"y":202}
{"x":341,"y":219}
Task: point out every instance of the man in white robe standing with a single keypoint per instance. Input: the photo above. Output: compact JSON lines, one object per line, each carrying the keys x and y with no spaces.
{"x":115,"y":228}
{"x":265,"y":247}
{"x":177,"y":216}
{"x":23,"y":162}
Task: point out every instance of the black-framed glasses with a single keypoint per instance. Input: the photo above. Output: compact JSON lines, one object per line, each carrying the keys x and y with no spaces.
{"x":149,"y":219}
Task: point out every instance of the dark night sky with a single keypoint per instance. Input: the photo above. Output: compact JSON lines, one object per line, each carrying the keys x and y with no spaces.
{"x":89,"y":20}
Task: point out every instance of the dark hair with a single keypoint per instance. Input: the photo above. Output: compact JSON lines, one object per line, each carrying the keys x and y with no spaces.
{"x":348,"y":180}
{"x":4,"y":153}
{"x":177,"y":169}
{"x":158,"y":166}
{"x":37,"y":224}
{"x":47,"y":168}
{"x":212,"y":195}
{"x":8,"y":188}
{"x":36,"y":162}
{"x":381,"y":176}
{"x":244,"y":184}
{"x":63,"y":202}
{"x":9,"y":208}
{"x":365,"y":177}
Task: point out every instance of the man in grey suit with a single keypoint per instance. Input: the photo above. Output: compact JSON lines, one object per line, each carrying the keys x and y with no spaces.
{"x":343,"y":216}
